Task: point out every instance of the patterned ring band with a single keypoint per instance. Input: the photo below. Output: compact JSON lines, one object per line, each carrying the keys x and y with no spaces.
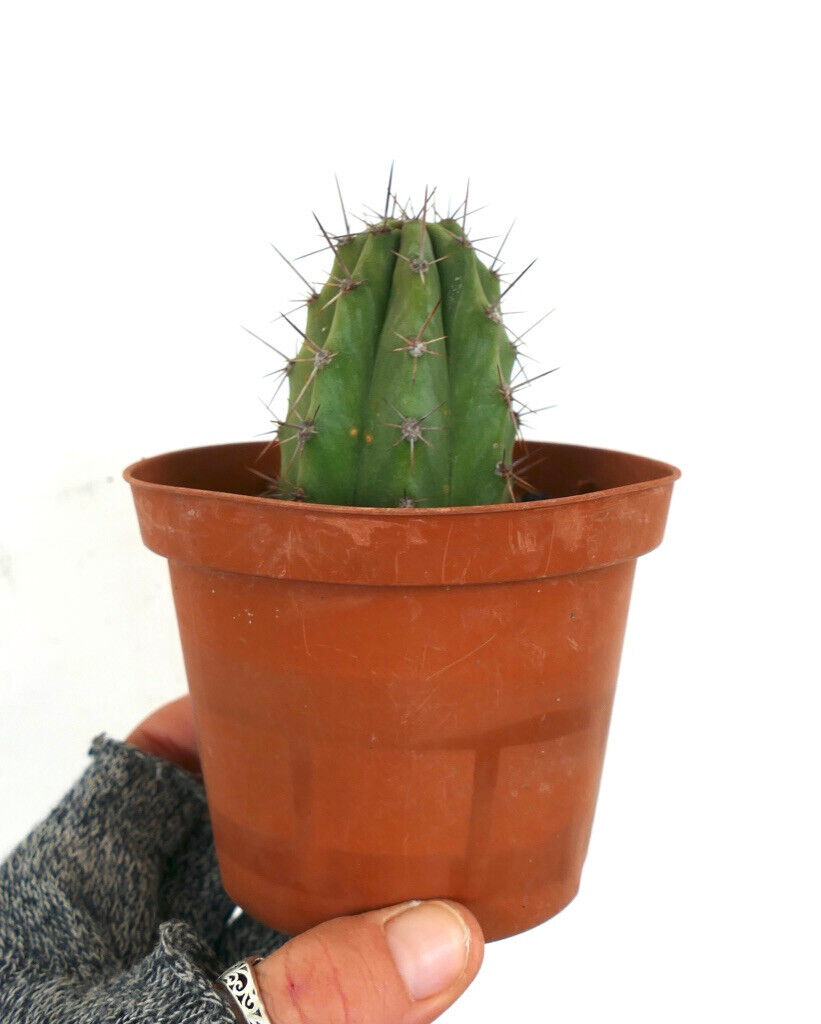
{"x":240,"y":985}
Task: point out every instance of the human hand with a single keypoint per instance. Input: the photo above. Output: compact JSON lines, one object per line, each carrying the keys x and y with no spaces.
{"x":400,"y":965}
{"x":170,"y":732}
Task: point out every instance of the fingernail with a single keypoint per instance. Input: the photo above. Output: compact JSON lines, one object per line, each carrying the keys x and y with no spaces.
{"x":429,"y":943}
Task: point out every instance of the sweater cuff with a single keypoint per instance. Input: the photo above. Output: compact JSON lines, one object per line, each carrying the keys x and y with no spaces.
{"x":172,"y":984}
{"x":154,"y":800}
{"x":128,"y":848}
{"x":165,"y":809}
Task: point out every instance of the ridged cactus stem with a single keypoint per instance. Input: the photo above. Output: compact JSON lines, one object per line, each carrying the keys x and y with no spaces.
{"x":401,"y":392}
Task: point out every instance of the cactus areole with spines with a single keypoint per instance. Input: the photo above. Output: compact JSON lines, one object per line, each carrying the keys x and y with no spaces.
{"x":401,"y":393}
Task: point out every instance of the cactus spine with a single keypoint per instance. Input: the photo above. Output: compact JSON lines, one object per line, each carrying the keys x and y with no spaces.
{"x":401,"y":394}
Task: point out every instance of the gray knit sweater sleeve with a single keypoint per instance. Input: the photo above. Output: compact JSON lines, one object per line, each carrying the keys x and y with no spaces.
{"x":112,"y":910}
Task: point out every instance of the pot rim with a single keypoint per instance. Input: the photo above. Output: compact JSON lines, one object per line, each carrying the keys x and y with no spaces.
{"x":248,"y":534}
{"x":668,"y":475}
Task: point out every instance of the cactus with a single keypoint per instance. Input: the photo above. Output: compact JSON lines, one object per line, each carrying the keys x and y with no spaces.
{"x":401,"y":391}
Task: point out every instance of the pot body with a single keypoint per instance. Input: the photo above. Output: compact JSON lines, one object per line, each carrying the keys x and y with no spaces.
{"x":397,"y":704}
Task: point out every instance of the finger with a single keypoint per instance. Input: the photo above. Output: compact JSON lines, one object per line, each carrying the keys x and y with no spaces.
{"x":402,"y":965}
{"x":169,"y":732}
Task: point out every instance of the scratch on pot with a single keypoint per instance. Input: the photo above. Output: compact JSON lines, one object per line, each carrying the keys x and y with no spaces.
{"x":445,"y":552}
{"x":538,"y":654}
{"x":550,"y":545}
{"x":419,"y":706}
{"x":288,"y":546}
{"x":305,"y":636}
{"x":345,"y":653}
{"x":521,"y":540}
{"x":463,"y":657}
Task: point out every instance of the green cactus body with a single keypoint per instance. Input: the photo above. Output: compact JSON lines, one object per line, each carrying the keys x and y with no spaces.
{"x":400,"y":393}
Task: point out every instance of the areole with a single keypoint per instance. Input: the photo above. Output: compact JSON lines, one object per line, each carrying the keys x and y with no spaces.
{"x":399,"y":703}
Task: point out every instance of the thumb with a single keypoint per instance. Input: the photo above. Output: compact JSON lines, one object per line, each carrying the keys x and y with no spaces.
{"x":402,"y":965}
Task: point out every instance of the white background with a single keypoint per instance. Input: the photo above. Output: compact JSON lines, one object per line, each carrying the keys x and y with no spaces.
{"x":663,"y":162}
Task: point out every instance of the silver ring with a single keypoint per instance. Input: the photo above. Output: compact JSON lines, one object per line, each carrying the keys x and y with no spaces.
{"x":240,"y":984}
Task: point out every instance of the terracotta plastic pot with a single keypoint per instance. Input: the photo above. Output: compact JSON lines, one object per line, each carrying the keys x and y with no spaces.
{"x":401,"y":703}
